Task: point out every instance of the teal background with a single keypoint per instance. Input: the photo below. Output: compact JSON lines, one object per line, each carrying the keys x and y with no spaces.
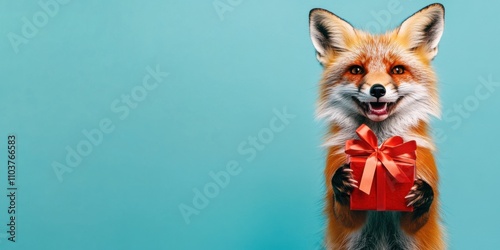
{"x":226,"y":76}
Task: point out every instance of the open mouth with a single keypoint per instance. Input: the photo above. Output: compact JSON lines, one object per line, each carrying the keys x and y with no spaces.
{"x":377,"y":111}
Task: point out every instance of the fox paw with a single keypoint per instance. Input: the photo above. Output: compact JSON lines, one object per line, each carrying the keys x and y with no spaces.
{"x":343,"y":183}
{"x":420,"y":196}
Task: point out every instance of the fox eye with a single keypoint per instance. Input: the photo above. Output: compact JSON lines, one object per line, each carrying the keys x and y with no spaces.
{"x":356,"y":70}
{"x":398,"y":70}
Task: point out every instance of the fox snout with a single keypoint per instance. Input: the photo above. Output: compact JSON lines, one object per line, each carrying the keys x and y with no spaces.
{"x":378,"y":85}
{"x":377,"y":95}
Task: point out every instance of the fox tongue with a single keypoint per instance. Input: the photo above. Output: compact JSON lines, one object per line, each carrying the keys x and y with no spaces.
{"x":378,"y":108}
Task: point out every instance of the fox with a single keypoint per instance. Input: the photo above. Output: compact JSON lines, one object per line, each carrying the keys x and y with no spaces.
{"x":385,"y":81}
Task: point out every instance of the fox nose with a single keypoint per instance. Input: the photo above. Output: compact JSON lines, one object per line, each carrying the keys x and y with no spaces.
{"x":377,"y":90}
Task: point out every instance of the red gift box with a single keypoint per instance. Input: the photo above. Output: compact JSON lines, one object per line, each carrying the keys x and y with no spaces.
{"x":385,"y":174}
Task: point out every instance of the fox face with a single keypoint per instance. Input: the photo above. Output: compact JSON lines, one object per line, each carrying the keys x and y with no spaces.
{"x":383,"y":80}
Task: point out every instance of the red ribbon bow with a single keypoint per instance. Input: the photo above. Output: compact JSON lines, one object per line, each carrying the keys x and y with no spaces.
{"x":393,"y":149}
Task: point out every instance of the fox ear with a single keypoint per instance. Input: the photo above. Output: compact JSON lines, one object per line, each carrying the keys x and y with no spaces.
{"x":423,"y":29}
{"x":329,"y":33}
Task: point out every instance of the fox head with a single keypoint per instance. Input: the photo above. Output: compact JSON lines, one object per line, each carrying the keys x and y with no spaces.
{"x":377,"y":79}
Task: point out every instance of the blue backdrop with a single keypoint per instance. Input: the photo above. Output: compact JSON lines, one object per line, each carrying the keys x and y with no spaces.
{"x":190,"y":124}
